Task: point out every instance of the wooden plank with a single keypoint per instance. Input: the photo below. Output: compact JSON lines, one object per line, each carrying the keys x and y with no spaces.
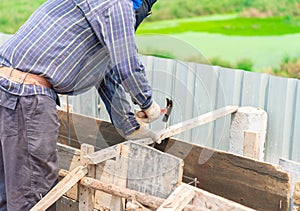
{"x":255,"y":184}
{"x":149,"y":200}
{"x":153,"y":172}
{"x":251,"y":144}
{"x":205,"y":200}
{"x":102,"y":155}
{"x":110,"y":188}
{"x":69,"y":159}
{"x":260,"y":185}
{"x":178,"y":199}
{"x":297,"y":193}
{"x":120,"y":176}
{"x":195,"y":122}
{"x":191,"y":123}
{"x":63,"y":186}
{"x":84,"y":129}
{"x":86,"y":195}
{"x":149,"y":171}
{"x":104,"y":173}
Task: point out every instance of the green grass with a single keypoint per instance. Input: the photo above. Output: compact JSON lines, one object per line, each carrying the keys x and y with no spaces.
{"x":231,"y":26}
{"x":263,"y":51}
{"x":167,"y":9}
{"x":261,"y":41}
{"x":13,"y":13}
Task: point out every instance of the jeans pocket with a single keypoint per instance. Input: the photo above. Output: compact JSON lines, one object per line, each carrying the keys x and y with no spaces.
{"x":8,"y":101}
{"x":8,"y":118}
{"x":42,"y":127}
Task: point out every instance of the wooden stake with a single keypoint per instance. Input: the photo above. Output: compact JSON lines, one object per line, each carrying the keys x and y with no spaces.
{"x":251,"y":144}
{"x":86,"y":195}
{"x":120,"y":176}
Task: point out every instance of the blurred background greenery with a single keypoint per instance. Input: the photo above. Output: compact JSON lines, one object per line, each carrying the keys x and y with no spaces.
{"x":253,"y":35}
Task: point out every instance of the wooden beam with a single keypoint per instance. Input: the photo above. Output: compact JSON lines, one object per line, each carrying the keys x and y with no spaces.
{"x":90,"y":130}
{"x":190,"y":124}
{"x":62,"y":187}
{"x":120,"y":176}
{"x":178,"y":199}
{"x":69,"y":158}
{"x":86,"y":195}
{"x":251,"y":144}
{"x":240,"y":179}
{"x":153,"y":201}
{"x":209,"y":201}
{"x":195,"y":122}
{"x":102,"y":155}
{"x":109,"y":188}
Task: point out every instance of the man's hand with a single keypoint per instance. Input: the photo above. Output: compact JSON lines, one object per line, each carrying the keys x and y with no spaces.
{"x":150,"y":114}
{"x":142,"y":133}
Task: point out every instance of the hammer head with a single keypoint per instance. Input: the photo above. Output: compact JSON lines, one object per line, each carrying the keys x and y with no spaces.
{"x":168,"y":110}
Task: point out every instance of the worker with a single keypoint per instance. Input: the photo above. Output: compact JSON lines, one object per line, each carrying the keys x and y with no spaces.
{"x":66,"y":47}
{"x":113,"y":95}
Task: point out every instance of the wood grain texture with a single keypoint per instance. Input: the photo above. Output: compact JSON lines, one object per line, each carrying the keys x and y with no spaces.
{"x":84,"y":129}
{"x":86,"y":195}
{"x":120,"y":176}
{"x":195,"y":122}
{"x":251,"y":144}
{"x":262,"y":186}
{"x":181,"y":197}
{"x":62,"y":187}
{"x":259,"y":185}
{"x":151,"y":171}
{"x":297,"y":193}
{"x":102,"y":155}
{"x":69,"y":158}
{"x":214,"y":202}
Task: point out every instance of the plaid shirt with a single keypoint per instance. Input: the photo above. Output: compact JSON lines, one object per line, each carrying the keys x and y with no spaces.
{"x":77,"y":44}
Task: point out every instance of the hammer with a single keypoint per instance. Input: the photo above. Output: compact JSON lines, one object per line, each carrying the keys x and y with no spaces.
{"x":164,"y":111}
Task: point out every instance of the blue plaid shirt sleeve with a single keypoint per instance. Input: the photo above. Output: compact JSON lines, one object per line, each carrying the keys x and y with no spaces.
{"x":127,"y":73}
{"x":121,"y":44}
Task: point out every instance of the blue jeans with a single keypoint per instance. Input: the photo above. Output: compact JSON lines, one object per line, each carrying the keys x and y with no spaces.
{"x":28,"y":156}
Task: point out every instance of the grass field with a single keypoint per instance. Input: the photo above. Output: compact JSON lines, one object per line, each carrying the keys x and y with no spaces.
{"x":229,"y":37}
{"x":228,"y":25}
{"x":13,"y":13}
{"x":264,"y":51}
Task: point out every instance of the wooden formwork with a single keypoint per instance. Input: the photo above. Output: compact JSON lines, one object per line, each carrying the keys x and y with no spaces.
{"x":148,"y":178}
{"x":223,"y":182}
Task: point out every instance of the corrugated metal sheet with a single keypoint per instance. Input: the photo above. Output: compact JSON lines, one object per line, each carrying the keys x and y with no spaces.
{"x":197,"y":89}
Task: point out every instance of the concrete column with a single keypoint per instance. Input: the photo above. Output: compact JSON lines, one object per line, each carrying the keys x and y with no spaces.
{"x":248,"y":119}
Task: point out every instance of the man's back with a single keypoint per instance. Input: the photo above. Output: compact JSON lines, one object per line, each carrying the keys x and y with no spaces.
{"x":59,"y":43}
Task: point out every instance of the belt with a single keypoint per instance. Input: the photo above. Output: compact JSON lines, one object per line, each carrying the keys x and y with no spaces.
{"x":20,"y":77}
